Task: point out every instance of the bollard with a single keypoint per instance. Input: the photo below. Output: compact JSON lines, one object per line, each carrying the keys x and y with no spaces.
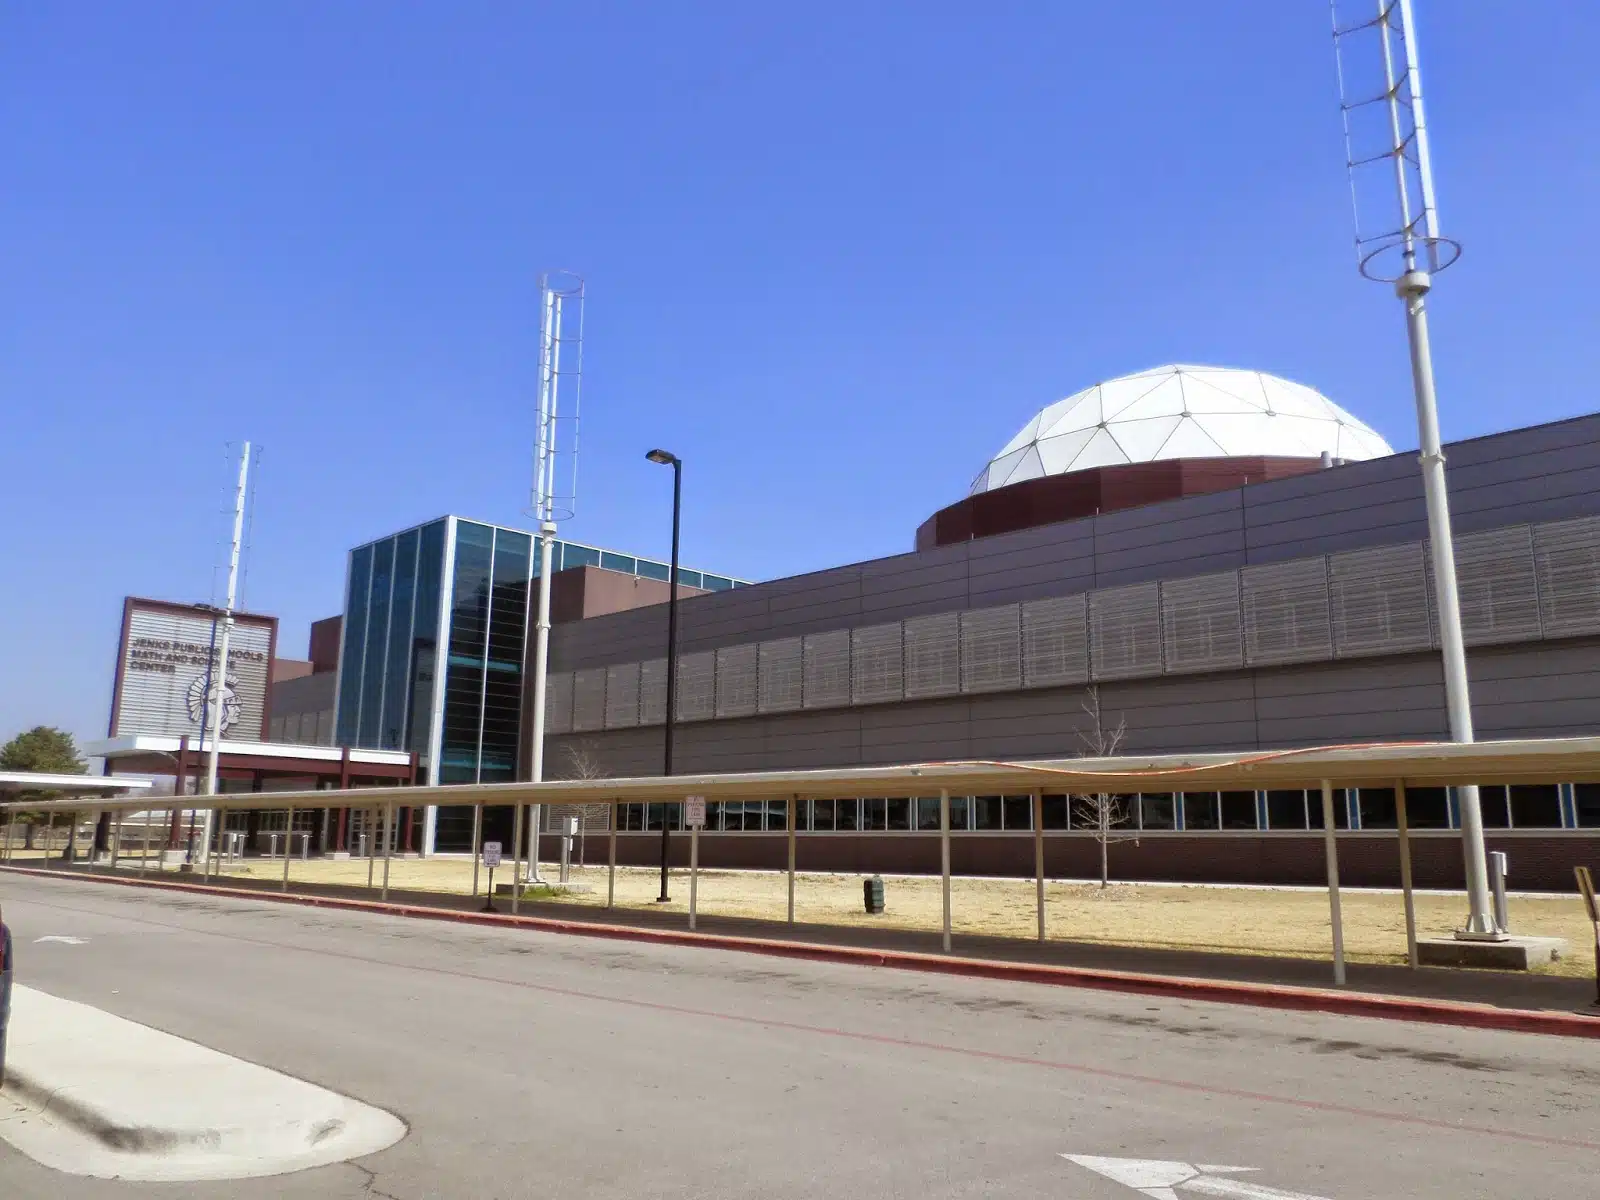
{"x":569,"y":830}
{"x":1498,"y":864}
{"x":872,"y":893}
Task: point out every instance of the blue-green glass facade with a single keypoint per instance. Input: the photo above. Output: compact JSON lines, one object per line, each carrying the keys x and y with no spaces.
{"x":436,"y":622}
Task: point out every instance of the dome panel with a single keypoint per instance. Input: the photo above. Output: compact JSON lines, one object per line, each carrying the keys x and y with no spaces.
{"x":1180,"y":412}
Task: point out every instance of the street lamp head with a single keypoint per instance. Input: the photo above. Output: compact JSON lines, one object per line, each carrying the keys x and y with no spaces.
{"x":665,"y":457}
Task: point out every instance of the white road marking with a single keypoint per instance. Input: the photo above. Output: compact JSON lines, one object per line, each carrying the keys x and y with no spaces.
{"x":1158,"y":1178}
{"x":62,"y":938}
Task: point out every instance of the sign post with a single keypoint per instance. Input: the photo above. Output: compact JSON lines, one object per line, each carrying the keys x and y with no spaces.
{"x":491,"y":860}
{"x":1586,"y":886}
{"x":694,"y":816}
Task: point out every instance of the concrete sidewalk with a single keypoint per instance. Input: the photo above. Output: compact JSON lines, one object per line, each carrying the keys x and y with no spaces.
{"x":90,"y":1093}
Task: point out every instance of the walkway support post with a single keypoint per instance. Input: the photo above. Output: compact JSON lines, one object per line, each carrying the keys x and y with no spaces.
{"x":388,"y":840}
{"x":49,"y":836}
{"x":288,"y":852}
{"x":516,"y":859}
{"x":1403,"y":824}
{"x":794,"y":819}
{"x":944,"y":859}
{"x":611,"y":857}
{"x":1038,"y":856}
{"x":372,"y":843}
{"x":1330,"y":844}
{"x":477,"y":845}
{"x":144,"y":850}
{"x":11,"y":826}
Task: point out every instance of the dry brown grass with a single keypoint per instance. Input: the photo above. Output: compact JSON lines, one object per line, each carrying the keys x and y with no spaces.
{"x":1237,"y":920}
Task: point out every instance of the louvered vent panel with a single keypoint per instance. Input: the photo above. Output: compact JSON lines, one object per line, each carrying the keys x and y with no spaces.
{"x":1055,"y":641}
{"x":697,"y":686}
{"x":736,"y":680}
{"x":933,"y":655}
{"x":1200,"y":623}
{"x":653,"y":692}
{"x":876,"y":664}
{"x":588,"y":699}
{"x":1285,"y":609}
{"x":1125,"y":631}
{"x":1379,"y":601}
{"x":622,"y":696}
{"x":558,"y":702}
{"x":1567,"y":559}
{"x":826,"y":659}
{"x":1495,"y":582}
{"x":991,"y":649}
{"x":782,"y":676}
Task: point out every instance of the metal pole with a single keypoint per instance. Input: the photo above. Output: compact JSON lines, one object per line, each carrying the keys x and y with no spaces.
{"x":794,"y":815}
{"x":477,"y":844}
{"x":144,"y":851}
{"x":694,"y":870}
{"x":372,"y":843}
{"x":541,"y":671}
{"x":1331,"y":850}
{"x":219,"y":682}
{"x":49,"y":834}
{"x":944,"y":859}
{"x":672,"y":664}
{"x":11,"y":828}
{"x":1403,"y":823}
{"x":516,"y":859}
{"x":388,"y":842}
{"x":1038,"y":857}
{"x":288,"y":852}
{"x":611,"y":857}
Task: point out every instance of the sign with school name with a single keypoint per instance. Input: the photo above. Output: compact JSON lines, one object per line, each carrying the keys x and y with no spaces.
{"x":165,"y":670}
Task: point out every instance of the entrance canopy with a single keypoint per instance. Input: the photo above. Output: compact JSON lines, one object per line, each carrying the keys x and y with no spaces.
{"x":156,"y":754}
{"x":12,"y":782}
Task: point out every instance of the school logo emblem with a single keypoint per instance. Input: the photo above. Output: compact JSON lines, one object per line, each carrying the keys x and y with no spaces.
{"x":231,"y":704}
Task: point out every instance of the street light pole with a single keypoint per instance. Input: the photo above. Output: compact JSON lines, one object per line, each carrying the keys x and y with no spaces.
{"x":220,"y":681}
{"x":667,"y":458}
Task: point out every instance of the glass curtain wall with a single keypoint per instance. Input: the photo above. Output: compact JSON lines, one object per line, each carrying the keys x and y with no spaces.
{"x":391,"y":618}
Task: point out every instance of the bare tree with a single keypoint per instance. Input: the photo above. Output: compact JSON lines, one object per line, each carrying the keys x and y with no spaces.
{"x":584,"y":762}
{"x":1102,"y":813}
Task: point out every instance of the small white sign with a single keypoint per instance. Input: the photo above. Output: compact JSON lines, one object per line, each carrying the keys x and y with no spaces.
{"x":491,"y":855}
{"x":694,"y":812}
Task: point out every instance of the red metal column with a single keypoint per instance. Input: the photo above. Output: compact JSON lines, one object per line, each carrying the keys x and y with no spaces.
{"x":405,"y":824}
{"x":180,"y":787}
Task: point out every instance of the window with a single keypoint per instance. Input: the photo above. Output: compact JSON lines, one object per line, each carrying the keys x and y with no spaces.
{"x":960,"y":812}
{"x":1535,"y":806}
{"x":715,"y":583}
{"x":899,"y":814}
{"x":822,"y":815}
{"x":1427,"y":808}
{"x":847,"y":815}
{"x":687,"y":578}
{"x":802,"y":815}
{"x":653,"y":570}
{"x":1200,"y":810}
{"x":1586,"y":797}
{"x":713,"y":814}
{"x":1496,"y":813}
{"x":1341,"y":810}
{"x":778,"y":815}
{"x":874,"y":814}
{"x":653,"y":813}
{"x":986,"y":810}
{"x":1158,"y":811}
{"x":1238,"y":810}
{"x":1017,"y":811}
{"x":1286,"y":810}
{"x":1377,"y":808}
{"x":617,"y":562}
{"x":578,"y":556}
{"x":928,"y":813}
{"x":1055,"y":811}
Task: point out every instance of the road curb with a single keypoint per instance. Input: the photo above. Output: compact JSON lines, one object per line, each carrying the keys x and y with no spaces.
{"x":1360,"y":1004}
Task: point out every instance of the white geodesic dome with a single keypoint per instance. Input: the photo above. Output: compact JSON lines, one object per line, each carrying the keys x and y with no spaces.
{"x":1180,"y":412}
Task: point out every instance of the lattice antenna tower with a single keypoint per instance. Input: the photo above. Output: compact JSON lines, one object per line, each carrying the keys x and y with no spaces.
{"x":1386,"y":145}
{"x":1398,"y":241}
{"x":555,"y":484}
{"x":554,"y":494}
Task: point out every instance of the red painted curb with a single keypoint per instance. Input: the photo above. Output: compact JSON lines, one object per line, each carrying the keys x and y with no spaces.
{"x":1359,"y":1004}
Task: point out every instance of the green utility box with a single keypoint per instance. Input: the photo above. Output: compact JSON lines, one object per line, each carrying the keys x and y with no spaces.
{"x":872,"y":892}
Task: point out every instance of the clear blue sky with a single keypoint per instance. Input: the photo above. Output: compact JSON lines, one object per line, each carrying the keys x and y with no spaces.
{"x":837,"y":254}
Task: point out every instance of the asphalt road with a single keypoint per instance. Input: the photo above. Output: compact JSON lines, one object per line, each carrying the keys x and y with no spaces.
{"x":550,"y":1066}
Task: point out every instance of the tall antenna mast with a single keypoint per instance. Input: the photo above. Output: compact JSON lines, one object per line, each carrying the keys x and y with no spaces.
{"x":219,"y":675}
{"x":555,"y":477}
{"x":1398,"y":242}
